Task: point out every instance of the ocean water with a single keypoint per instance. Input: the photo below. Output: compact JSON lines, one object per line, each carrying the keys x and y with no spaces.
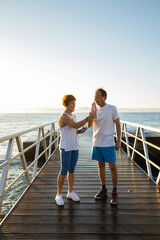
{"x":151,"y":119}
{"x":11,"y":123}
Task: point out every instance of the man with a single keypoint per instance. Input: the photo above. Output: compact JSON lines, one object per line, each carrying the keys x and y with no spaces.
{"x":103,"y":142}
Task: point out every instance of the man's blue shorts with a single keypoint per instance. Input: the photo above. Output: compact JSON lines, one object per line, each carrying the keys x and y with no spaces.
{"x":104,"y":154}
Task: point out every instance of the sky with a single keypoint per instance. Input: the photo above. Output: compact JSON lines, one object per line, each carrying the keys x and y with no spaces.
{"x":49,"y":48}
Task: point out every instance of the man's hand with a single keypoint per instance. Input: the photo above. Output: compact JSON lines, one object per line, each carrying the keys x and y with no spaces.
{"x":94,"y":109}
{"x":118,"y":129}
{"x":91,"y":116}
{"x":118,"y":145}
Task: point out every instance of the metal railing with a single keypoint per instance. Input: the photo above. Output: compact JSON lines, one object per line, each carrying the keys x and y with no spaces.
{"x":30,"y":171}
{"x":50,"y":141}
{"x":134,"y":135}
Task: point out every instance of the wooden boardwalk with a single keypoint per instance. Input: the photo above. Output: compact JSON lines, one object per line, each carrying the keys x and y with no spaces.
{"x":137,"y":216}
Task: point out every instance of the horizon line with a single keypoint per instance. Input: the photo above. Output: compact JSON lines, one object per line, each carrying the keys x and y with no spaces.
{"x":78,"y":110}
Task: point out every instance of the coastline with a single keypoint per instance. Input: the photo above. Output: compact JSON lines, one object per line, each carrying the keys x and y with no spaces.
{"x":78,"y":110}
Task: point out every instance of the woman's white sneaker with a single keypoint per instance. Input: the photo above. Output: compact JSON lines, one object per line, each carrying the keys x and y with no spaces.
{"x":73,"y":196}
{"x":59,"y":200}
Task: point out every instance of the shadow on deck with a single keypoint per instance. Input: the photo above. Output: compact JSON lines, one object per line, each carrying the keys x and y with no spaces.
{"x":137,"y":216}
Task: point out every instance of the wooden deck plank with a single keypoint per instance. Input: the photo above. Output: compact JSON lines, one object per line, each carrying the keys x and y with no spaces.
{"x":83,"y":212}
{"x":81,"y":236}
{"x":86,"y":200}
{"x":74,"y":228}
{"x":93,"y":206}
{"x":137,"y":216}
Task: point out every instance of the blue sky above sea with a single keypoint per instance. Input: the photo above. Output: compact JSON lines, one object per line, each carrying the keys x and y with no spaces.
{"x":56,"y":47}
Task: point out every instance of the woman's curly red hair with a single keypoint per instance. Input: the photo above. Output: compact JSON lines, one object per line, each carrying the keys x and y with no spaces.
{"x":67,"y":99}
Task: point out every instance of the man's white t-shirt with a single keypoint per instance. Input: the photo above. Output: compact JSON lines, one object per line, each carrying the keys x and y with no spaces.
{"x":103,"y":126}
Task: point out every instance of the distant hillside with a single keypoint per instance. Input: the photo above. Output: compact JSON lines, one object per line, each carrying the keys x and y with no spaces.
{"x":85,"y":109}
{"x":139,"y":109}
{"x":78,"y":110}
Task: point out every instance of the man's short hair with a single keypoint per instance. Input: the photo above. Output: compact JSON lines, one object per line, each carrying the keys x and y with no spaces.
{"x":103,"y":92}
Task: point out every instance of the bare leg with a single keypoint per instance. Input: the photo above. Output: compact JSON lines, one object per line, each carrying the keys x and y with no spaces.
{"x":60,"y":182}
{"x":70,"y":178}
{"x":102,"y":172}
{"x":114,"y":172}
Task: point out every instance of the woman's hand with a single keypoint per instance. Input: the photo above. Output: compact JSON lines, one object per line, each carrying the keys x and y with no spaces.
{"x":82,"y":130}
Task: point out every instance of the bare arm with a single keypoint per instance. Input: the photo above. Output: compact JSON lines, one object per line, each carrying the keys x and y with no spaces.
{"x":89,"y":123}
{"x":94,"y":112}
{"x":66,"y":120}
{"x":118,"y":130}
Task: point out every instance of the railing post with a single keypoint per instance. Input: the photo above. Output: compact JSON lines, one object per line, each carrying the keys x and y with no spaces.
{"x":57,"y":138}
{"x":36,"y":153}
{"x":23,"y":159}
{"x":135,"y":143}
{"x":5,"y":170}
{"x":21,"y":154}
{"x":127,"y":141}
{"x":145,"y":147}
{"x":50,"y":140}
{"x":44,"y":144}
{"x":122,"y":128}
{"x":158,"y":179}
{"x":54,"y":136}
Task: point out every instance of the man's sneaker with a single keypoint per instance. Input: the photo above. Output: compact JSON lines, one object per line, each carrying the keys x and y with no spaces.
{"x":73,"y":196}
{"x":102,"y":193}
{"x":59,"y":200}
{"x":114,"y":199}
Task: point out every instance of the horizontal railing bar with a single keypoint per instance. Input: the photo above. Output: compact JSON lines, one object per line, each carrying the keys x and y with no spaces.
{"x":134,"y":133}
{"x":14,"y":135}
{"x":28,"y":168}
{"x":42,"y":153}
{"x":3,"y":164}
{"x":52,"y":143}
{"x":140,"y":139}
{"x":25,"y":150}
{"x":20,"y":153}
{"x":54,"y":150}
{"x":15,"y":180}
{"x":27,"y":187}
{"x":142,"y":126}
{"x":21,"y":174}
{"x":140,"y":168}
{"x":45,"y":134}
{"x":155,"y":165}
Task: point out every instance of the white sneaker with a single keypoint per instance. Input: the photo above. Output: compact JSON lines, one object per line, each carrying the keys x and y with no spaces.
{"x":73,"y":196}
{"x":59,"y":200}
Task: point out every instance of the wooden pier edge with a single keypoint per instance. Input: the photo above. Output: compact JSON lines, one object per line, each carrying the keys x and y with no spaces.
{"x":36,"y":216}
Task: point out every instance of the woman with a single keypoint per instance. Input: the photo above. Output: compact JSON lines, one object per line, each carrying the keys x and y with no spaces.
{"x":68,"y":147}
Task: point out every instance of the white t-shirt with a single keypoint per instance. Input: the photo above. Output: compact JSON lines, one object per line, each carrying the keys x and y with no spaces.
{"x":68,"y":136}
{"x":103,"y":126}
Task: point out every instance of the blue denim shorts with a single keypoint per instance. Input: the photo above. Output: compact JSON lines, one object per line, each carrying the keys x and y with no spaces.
{"x":68,"y":161}
{"x":104,"y":154}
